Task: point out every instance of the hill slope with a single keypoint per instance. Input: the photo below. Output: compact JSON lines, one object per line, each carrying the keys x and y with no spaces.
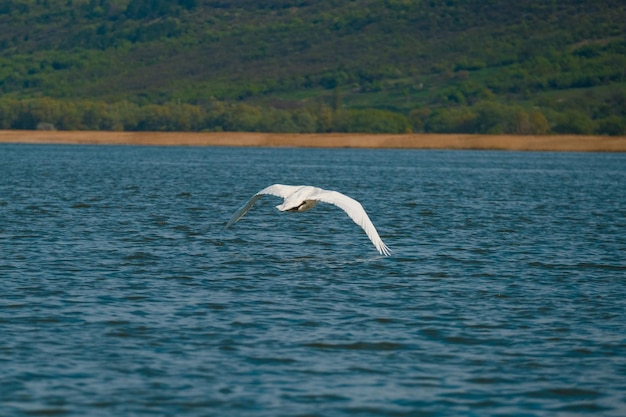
{"x":303,"y":65}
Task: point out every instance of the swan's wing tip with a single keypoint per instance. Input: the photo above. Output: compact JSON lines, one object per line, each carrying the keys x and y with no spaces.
{"x":231,"y":222}
{"x":242,"y":211}
{"x":383,"y":249}
{"x":357,"y":213}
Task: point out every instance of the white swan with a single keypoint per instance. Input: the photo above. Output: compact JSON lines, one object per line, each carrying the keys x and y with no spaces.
{"x":305,"y":197}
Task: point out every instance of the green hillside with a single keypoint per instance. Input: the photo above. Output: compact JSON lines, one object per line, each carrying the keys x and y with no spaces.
{"x":488,"y":66}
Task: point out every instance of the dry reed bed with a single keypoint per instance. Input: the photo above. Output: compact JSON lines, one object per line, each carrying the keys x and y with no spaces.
{"x":334,"y":140}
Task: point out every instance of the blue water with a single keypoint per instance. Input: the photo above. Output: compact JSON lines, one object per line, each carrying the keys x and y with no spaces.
{"x":121,"y":295}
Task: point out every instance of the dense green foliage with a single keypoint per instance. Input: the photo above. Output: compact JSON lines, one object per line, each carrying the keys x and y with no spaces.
{"x":488,"y":66}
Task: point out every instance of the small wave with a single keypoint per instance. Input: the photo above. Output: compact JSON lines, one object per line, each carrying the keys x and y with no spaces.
{"x":568,"y":392}
{"x":140,"y":256}
{"x":357,"y":345}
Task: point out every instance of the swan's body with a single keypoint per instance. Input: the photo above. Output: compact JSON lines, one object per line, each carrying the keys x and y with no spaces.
{"x":304,"y":197}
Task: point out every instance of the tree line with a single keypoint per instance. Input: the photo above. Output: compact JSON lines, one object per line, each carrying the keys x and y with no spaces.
{"x":487,"y":117}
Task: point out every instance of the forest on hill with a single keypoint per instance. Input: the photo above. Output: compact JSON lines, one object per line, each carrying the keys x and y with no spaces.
{"x":439,"y":66}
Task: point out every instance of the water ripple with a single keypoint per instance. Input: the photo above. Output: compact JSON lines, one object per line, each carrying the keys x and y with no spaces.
{"x":123,"y":295}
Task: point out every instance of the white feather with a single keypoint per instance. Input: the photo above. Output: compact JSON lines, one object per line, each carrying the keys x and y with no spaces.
{"x":304,"y":197}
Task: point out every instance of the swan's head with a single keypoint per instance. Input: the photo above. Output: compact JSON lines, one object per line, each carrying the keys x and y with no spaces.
{"x":302,"y":206}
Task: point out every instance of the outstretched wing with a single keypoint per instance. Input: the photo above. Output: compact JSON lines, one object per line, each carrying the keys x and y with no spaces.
{"x":355,"y":210}
{"x":277,"y":190}
{"x":280,"y":190}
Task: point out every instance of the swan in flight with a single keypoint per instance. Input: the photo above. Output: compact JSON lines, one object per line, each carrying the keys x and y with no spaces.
{"x":305,"y":197}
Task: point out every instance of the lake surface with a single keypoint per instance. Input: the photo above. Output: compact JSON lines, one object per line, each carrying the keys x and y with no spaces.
{"x":122,"y":295}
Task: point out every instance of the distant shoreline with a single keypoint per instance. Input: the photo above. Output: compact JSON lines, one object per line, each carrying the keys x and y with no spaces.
{"x":563,"y":143}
